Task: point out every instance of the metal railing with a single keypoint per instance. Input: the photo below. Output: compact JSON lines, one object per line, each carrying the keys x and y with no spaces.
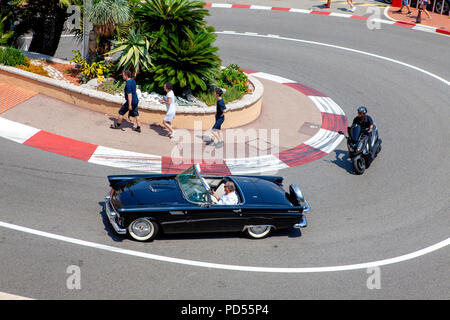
{"x":442,"y":3}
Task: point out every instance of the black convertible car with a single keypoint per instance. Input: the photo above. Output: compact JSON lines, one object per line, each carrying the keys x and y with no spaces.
{"x":145,"y":204}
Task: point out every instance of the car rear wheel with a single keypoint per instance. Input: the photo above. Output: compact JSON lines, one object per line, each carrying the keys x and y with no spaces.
{"x":143,"y":229}
{"x":258,"y":232}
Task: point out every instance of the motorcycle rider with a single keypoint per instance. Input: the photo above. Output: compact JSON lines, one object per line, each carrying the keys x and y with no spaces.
{"x":365,"y":122}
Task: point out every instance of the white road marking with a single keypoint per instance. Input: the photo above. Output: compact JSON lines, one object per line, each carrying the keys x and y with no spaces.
{"x":8,"y":296}
{"x":346,"y":49}
{"x":150,"y":256}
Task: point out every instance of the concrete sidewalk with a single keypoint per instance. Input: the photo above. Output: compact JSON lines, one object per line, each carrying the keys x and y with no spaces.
{"x":52,"y":115}
{"x":297,"y":125}
{"x":440,"y":21}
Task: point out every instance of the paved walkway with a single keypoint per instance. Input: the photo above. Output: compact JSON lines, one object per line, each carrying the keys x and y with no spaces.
{"x":273,"y":141}
{"x":437,"y":20}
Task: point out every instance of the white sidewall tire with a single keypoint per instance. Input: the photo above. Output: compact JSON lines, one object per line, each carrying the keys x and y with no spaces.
{"x":153,"y":229}
{"x":258,"y":235}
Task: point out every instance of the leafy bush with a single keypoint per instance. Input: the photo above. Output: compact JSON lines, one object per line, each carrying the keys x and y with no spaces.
{"x":37,"y":69}
{"x":91,"y":71}
{"x":233,"y":76}
{"x":12,"y":57}
{"x":135,"y":51}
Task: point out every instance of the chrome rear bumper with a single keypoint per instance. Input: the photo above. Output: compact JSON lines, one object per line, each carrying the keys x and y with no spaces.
{"x":303,"y":223}
{"x":111,"y":214}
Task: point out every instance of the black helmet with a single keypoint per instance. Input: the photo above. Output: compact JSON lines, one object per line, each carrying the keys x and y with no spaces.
{"x":362,"y":110}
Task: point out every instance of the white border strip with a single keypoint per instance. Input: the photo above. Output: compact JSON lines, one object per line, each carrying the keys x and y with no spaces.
{"x":194,"y":263}
{"x":15,"y":131}
{"x":126,"y":159}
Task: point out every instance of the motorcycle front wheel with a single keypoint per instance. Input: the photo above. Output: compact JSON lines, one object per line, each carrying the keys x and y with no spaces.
{"x":359,"y":164}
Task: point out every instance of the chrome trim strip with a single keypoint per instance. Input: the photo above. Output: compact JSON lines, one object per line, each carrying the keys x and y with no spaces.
{"x":111,"y":214}
{"x":307,"y":207}
{"x":258,"y":225}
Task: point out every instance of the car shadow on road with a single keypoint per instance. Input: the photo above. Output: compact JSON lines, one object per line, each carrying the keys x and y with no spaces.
{"x":294,"y":233}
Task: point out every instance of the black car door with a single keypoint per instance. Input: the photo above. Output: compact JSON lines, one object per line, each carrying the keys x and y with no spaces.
{"x":215,"y":218}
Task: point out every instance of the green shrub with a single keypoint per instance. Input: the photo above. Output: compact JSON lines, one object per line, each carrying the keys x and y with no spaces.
{"x":232,"y":94}
{"x":229,"y":95}
{"x":12,"y":57}
{"x":91,"y":71}
{"x":233,"y":76}
{"x":112,"y":86}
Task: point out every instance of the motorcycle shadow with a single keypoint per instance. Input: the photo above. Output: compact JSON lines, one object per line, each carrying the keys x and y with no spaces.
{"x":343,"y":161}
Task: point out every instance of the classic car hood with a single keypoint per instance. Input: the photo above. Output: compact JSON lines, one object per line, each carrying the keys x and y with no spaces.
{"x":149,"y":191}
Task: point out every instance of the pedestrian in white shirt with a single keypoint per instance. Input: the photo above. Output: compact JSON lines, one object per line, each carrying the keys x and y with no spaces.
{"x":169,"y":100}
{"x":229,"y":197}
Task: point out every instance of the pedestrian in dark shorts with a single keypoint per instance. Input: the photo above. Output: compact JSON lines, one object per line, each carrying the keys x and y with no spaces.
{"x":131,"y":102}
{"x":220,"y":118}
{"x":404,"y":4}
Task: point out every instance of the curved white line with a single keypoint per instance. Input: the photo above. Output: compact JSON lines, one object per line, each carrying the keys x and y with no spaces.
{"x":150,"y":256}
{"x":366,"y":265}
{"x":342,"y":48}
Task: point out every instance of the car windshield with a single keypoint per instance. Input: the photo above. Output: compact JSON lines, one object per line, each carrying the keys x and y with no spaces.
{"x":193,"y":186}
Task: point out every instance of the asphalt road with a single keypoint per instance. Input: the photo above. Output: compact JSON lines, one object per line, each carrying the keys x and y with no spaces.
{"x":399,"y":206}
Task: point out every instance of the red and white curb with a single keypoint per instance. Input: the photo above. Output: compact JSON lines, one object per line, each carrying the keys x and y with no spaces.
{"x":408,"y":25}
{"x":318,"y":146}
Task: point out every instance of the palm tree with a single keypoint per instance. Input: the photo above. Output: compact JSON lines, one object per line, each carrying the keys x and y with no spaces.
{"x":189,"y":63}
{"x":106,"y":16}
{"x":4,"y":36}
{"x":45,"y":18}
{"x":169,"y":16}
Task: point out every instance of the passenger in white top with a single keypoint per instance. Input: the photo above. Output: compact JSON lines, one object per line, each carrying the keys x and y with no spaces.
{"x":229,"y":197}
{"x":169,"y":100}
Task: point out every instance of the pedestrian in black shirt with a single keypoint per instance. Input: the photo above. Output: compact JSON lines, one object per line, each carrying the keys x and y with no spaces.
{"x":220,"y":118}
{"x":131,"y":102}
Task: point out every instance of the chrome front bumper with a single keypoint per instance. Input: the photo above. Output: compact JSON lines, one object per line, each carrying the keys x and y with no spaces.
{"x":111,"y":214}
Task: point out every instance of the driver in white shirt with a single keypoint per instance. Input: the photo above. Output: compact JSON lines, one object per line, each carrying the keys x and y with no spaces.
{"x":229,"y":197}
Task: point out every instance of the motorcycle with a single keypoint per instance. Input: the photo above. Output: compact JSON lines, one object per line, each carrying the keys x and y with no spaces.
{"x":362,"y":151}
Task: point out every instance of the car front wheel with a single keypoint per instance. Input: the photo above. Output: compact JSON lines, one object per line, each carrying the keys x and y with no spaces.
{"x":143,"y":229}
{"x":258,"y":232}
